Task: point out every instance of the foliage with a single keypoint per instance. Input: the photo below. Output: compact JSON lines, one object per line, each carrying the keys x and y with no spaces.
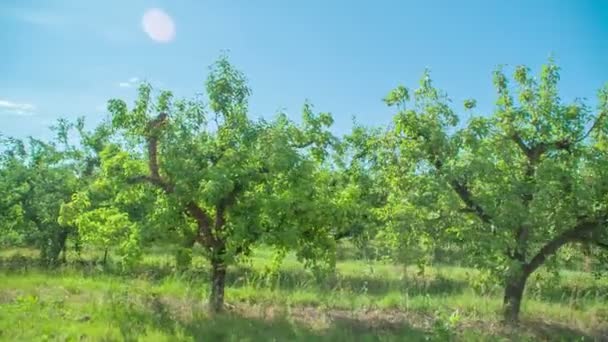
{"x":105,"y":227}
{"x":507,"y":193}
{"x":511,"y":188}
{"x":33,"y":182}
{"x":218,"y":179}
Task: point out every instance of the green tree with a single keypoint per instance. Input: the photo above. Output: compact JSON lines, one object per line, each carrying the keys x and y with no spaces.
{"x":226,"y":181}
{"x":34,"y":180}
{"x":511,"y":188}
{"x":104,"y":226}
{"x":353,"y":187}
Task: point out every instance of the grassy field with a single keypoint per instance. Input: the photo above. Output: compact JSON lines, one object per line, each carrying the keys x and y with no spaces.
{"x":364,"y":301}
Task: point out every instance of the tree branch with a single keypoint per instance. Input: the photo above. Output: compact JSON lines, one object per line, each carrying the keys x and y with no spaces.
{"x":153,"y":131}
{"x":533,"y":153}
{"x":353,"y":231}
{"x":593,"y":127}
{"x":465,"y":195}
{"x":167,"y":188}
{"x":224,"y":204}
{"x":205,"y":235}
{"x":303,"y":145}
{"x":563,"y":144}
{"x":578,"y":233}
{"x":522,"y":146}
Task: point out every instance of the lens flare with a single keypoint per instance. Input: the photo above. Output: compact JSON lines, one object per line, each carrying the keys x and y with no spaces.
{"x":158,"y":25}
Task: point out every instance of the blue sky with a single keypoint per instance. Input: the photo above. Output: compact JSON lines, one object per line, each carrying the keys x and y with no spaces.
{"x":63,"y":58}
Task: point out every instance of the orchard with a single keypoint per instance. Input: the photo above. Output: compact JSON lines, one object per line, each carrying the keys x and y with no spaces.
{"x":511,"y":196}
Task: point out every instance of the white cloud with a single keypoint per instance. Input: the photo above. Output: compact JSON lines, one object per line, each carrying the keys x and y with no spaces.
{"x":16,"y":107}
{"x":133,"y":81}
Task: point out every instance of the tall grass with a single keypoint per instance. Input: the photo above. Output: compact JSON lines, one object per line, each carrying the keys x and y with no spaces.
{"x":364,"y":300}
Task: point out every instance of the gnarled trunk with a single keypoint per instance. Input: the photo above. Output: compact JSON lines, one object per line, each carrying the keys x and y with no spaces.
{"x":218,"y":283}
{"x":514,"y":290}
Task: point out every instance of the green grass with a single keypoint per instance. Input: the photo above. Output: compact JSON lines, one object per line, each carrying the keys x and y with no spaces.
{"x":372,"y":301}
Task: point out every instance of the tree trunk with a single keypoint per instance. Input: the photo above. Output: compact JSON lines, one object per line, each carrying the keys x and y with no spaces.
{"x":514,"y":290}
{"x":64,"y":256}
{"x":63,"y":238}
{"x":105,"y":256}
{"x":78,"y":246}
{"x":218,"y":283}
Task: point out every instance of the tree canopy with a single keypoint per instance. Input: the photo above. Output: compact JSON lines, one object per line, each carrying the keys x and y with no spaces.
{"x":225,"y":181}
{"x":512,"y":189}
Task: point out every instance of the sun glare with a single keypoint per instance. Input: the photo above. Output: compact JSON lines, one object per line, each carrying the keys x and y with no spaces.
{"x":158,"y":25}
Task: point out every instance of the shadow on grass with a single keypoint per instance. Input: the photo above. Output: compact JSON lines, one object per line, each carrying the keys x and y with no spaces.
{"x":186,"y":321}
{"x":138,"y":323}
{"x":160,"y":317}
{"x":546,"y":331}
{"x":563,"y":293}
